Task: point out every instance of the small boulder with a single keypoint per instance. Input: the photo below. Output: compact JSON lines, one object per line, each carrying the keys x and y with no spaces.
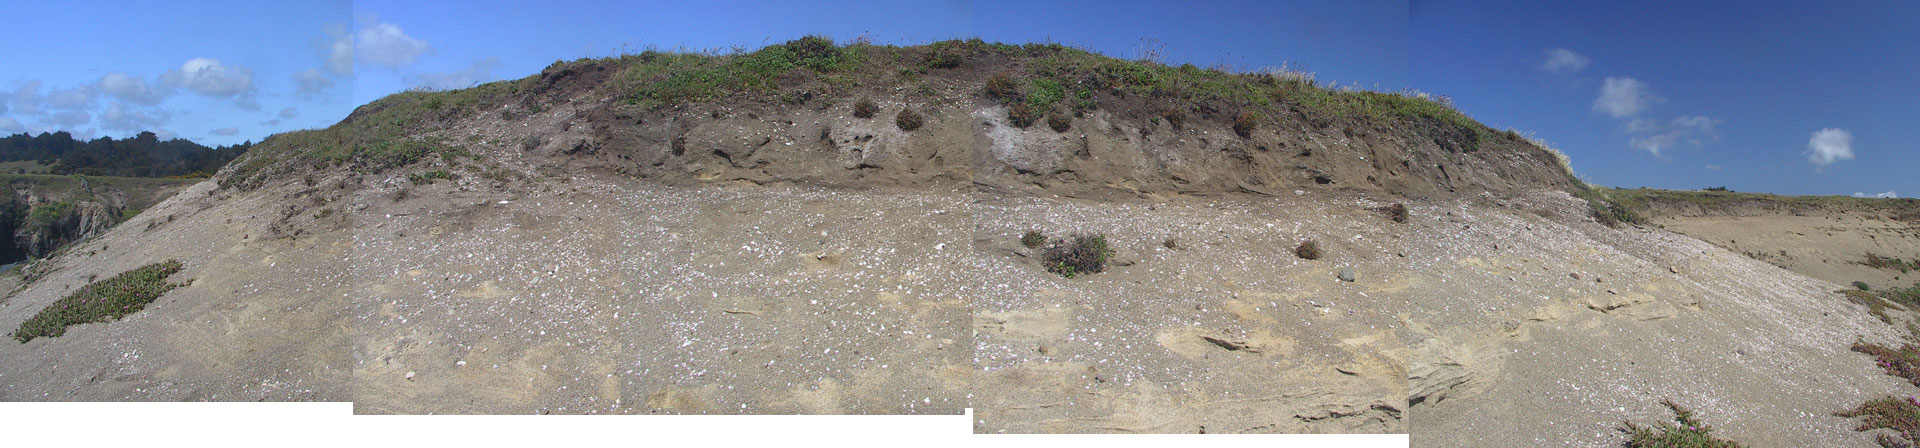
{"x":1346,"y":274}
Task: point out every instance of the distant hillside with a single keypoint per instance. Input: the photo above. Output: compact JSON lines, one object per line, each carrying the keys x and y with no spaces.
{"x":1012,"y":117}
{"x":144,"y":155}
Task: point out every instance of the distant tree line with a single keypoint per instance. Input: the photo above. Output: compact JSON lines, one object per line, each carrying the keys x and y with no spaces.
{"x":144,"y":155}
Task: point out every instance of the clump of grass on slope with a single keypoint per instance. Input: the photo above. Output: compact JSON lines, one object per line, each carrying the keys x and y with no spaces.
{"x":101,"y":301}
{"x":1080,"y":255}
{"x":1900,"y":415}
{"x":1686,"y":431}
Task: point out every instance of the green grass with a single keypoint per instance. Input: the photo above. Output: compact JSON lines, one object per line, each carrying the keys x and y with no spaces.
{"x":429,"y":177}
{"x":1611,"y":207}
{"x":101,"y":301}
{"x":1686,"y":431}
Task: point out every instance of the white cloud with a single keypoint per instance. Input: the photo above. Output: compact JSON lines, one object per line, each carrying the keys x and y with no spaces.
{"x":385,"y":44}
{"x":1829,"y":145}
{"x":1886,"y":195}
{"x":67,"y":119}
{"x":481,"y":71}
{"x":71,"y":98}
{"x":289,"y":113}
{"x":210,"y":77}
{"x":11,"y":126}
{"x":1564,"y":61}
{"x":271,"y":123}
{"x":226,"y":131}
{"x":339,"y":50}
{"x":1624,"y":97}
{"x":118,"y":117}
{"x":1654,"y":137}
{"x":1712,"y":167}
{"x":246,"y":102}
{"x":311,"y":84}
{"x":132,"y":89}
{"x":26,"y":98}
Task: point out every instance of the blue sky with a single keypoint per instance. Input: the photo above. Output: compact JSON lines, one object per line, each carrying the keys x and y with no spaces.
{"x":1754,"y":96}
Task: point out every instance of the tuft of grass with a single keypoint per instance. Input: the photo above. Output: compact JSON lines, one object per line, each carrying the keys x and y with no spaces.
{"x":865,"y":108}
{"x":1903,"y":362}
{"x":1176,"y":117}
{"x":1000,"y":87}
{"x":429,"y":177}
{"x":1244,"y":123}
{"x":1875,"y":306}
{"x":1307,"y":250}
{"x":1079,"y":255}
{"x":1900,"y":415}
{"x":1397,"y":212}
{"x":1909,"y":297}
{"x":908,"y":120}
{"x":1686,"y":431}
{"x":1170,"y":244}
{"x":1892,"y":264}
{"x":1860,"y":285}
{"x":101,"y":301}
{"x":1033,"y":239}
{"x":1608,"y":210}
{"x":1022,"y":115}
{"x":1042,"y":93}
{"x":1059,"y":123}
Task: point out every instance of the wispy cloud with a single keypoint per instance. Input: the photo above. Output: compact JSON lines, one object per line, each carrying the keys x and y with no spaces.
{"x":1829,"y":145}
{"x":1886,"y":195}
{"x":386,"y":45}
{"x":1622,"y":97}
{"x":480,"y":71}
{"x":225,"y":131}
{"x":289,"y":113}
{"x":1562,"y":61}
{"x":133,"y":89}
{"x":118,"y":117}
{"x":210,"y":77}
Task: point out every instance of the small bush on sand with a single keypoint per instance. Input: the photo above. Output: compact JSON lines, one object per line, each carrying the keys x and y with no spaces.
{"x":1022,"y":115}
{"x":1397,"y":212}
{"x":1059,"y":123}
{"x":1033,"y":239}
{"x":1176,"y":118}
{"x":1170,"y":244}
{"x":865,"y":108}
{"x":1903,"y":362}
{"x":1900,"y":415}
{"x":1875,"y":306}
{"x":908,"y":120}
{"x":1079,"y":255}
{"x":1685,"y":432}
{"x":1000,"y":87}
{"x":1307,"y":250}
{"x":101,"y":301}
{"x":1243,"y":124}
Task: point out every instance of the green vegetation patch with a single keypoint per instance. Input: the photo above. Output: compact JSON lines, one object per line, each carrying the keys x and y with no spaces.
{"x":1903,"y":362}
{"x":1686,"y":431}
{"x":1900,"y":415}
{"x":664,"y":78}
{"x":102,"y":301}
{"x":429,"y":177}
{"x":1078,"y":255}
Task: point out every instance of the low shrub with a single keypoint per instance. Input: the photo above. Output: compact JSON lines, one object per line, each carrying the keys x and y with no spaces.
{"x":1397,"y":212}
{"x":101,"y":301}
{"x":1022,"y":115}
{"x":1900,"y":415}
{"x":1307,"y":250}
{"x":865,"y":108}
{"x":1170,"y":244}
{"x":1903,"y":362}
{"x":1033,"y":239}
{"x":429,"y":177}
{"x":1244,"y":123}
{"x":1686,"y":431}
{"x":1860,"y":285}
{"x":1000,"y":87}
{"x":908,"y":120}
{"x":1079,"y":255}
{"x":1176,"y":118}
{"x":1059,"y":123}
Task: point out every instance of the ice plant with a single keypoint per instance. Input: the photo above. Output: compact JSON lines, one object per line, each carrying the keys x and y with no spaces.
{"x":101,"y":301}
